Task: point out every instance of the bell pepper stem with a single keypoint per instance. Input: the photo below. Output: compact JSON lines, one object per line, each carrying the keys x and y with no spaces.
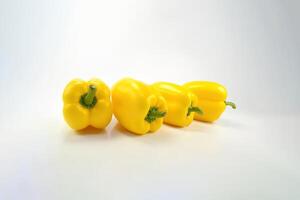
{"x":228,"y":103}
{"x":194,"y":109}
{"x":89,"y":100}
{"x":153,"y":114}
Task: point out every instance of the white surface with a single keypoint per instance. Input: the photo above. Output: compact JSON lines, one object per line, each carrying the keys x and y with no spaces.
{"x":239,"y":157}
{"x":252,"y":47}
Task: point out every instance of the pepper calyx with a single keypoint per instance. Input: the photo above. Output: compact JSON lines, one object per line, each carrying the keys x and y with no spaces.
{"x":194,"y":109}
{"x":153,"y":114}
{"x":89,"y":100}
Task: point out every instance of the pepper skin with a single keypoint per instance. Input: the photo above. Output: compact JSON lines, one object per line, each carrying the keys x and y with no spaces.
{"x":180,"y":103}
{"x":137,"y":107}
{"x":211,"y":98}
{"x":87,"y":104}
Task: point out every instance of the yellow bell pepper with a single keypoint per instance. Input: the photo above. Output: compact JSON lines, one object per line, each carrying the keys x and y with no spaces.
{"x":211,"y":98}
{"x":180,"y":102}
{"x":137,"y":107}
{"x":87,"y":104}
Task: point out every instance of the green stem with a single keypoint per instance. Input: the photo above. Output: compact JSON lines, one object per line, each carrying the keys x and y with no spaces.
{"x":194,"y":109}
{"x":88,"y":100}
{"x":228,"y":103}
{"x":153,"y":114}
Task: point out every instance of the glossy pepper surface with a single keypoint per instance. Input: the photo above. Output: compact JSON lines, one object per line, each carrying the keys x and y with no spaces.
{"x":87,"y":104}
{"x":180,"y":102}
{"x":137,"y":107}
{"x":211,"y":98}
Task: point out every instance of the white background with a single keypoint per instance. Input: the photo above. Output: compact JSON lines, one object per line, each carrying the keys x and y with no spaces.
{"x":252,"y":47}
